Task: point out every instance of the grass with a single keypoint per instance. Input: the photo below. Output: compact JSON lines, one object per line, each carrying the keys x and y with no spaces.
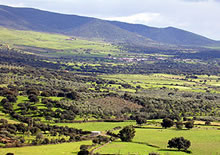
{"x":61,"y":44}
{"x":20,"y":99}
{"x":126,"y":148}
{"x":166,"y":80}
{"x":58,"y":149}
{"x":96,"y":126}
{"x":203,"y":141}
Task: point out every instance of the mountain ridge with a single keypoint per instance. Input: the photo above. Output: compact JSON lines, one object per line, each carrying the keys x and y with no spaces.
{"x":94,"y":28}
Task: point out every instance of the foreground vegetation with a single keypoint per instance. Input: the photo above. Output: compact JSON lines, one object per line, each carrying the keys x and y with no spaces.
{"x":204,"y":140}
{"x":66,"y":148}
{"x":148,"y":138}
{"x":57,"y":90}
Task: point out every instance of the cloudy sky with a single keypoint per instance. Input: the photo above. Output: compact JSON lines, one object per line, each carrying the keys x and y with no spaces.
{"x":199,"y":16}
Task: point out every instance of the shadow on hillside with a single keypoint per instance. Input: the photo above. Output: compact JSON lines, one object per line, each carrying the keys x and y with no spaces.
{"x":189,"y":152}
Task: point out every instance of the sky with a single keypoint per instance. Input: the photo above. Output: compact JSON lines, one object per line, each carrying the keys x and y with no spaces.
{"x":198,"y":16}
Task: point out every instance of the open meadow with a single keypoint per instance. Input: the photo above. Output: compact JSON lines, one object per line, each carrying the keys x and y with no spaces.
{"x":178,"y":82}
{"x":97,"y":126}
{"x":58,"y":44}
{"x":204,"y":140}
{"x":58,"y":149}
{"x":148,"y":138}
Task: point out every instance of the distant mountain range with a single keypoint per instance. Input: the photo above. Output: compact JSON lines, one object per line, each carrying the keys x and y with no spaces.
{"x":93,"y":28}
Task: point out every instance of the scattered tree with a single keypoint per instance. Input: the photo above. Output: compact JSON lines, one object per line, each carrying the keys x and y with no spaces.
{"x":179,"y":125}
{"x":207,"y":122}
{"x":127,"y":134}
{"x":189,"y":124}
{"x":179,"y":143}
{"x":33,"y":98}
{"x":153,"y":153}
{"x":140,"y":120}
{"x":72,"y":95}
{"x":167,"y":123}
{"x":83,"y":150}
{"x":11,"y":98}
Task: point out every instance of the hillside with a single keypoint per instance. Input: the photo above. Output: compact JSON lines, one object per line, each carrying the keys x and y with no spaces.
{"x":92,"y":28}
{"x":168,"y":35}
{"x":52,"y":44}
{"x":77,"y":85}
{"x":43,"y":21}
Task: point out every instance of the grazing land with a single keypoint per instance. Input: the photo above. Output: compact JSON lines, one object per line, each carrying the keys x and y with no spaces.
{"x":55,"y":149}
{"x":205,"y":140}
{"x":56,"y":89}
{"x":44,"y":43}
{"x":169,"y":81}
{"x":97,"y":126}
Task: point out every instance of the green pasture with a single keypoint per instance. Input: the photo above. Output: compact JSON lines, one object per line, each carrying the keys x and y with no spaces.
{"x":55,"y":149}
{"x":96,"y":126}
{"x":24,"y":99}
{"x":6,"y":116}
{"x":203,"y":141}
{"x":166,"y":80}
{"x":126,"y":148}
{"x":60,"y":43}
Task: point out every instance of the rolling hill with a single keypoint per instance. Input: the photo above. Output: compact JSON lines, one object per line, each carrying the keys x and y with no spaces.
{"x":93,"y":28}
{"x":169,"y":35}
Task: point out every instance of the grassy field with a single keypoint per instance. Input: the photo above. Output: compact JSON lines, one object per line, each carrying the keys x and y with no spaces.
{"x":45,"y":42}
{"x":96,"y":126}
{"x":126,"y":148}
{"x":58,"y":149}
{"x":167,"y":80}
{"x":204,"y":140}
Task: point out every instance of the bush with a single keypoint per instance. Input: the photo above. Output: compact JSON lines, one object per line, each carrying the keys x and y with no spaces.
{"x":45,"y":94}
{"x":33,"y":91}
{"x":153,"y":153}
{"x":179,"y":125}
{"x":179,"y":143}
{"x":84,"y":147}
{"x":22,"y":140}
{"x":3,"y":121}
{"x":83,"y":152}
{"x":33,"y":98}
{"x":72,"y":95}
{"x":127,"y":134}
{"x":140,"y":120}
{"x":11,"y":98}
{"x":101,"y":139}
{"x":4,"y":100}
{"x":167,"y":123}
{"x":207,"y":122}
{"x":46,"y":141}
{"x":189,"y":124}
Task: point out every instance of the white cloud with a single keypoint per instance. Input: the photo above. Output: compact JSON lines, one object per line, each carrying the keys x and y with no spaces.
{"x":12,"y":3}
{"x":199,"y":16}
